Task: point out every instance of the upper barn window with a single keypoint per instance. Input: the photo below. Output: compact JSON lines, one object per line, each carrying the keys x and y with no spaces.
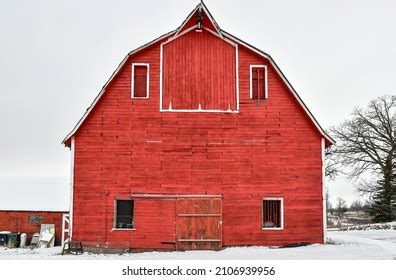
{"x":258,"y":82}
{"x":124,"y":218}
{"x":140,"y":80}
{"x":273,"y":213}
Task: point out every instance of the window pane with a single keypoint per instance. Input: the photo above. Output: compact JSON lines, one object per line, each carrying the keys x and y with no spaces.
{"x":272,"y":214}
{"x":258,"y":83}
{"x":261,"y":83}
{"x":124,"y":214}
{"x":255,"y":83}
{"x":140,"y":81}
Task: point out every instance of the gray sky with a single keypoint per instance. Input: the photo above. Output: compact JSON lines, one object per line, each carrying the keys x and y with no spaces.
{"x":56,"y":55}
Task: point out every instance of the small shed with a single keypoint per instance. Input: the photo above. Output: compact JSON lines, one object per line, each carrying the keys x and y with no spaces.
{"x":29,"y":222}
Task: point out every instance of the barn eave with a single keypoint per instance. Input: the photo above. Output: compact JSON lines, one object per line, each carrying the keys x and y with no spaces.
{"x":67,"y":140}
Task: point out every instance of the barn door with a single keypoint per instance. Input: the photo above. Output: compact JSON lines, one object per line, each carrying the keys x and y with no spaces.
{"x":198,"y":224}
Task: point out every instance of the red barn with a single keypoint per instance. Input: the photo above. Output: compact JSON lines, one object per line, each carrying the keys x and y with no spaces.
{"x":197,"y":141}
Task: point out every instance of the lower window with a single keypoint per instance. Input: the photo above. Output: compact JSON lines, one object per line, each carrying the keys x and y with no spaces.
{"x":124,"y":214}
{"x":272,"y":213}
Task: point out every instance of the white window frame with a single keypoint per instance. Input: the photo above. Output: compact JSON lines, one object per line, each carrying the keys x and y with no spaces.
{"x":147,"y":65}
{"x":115,"y":216}
{"x":281,"y":214}
{"x":265,"y":80}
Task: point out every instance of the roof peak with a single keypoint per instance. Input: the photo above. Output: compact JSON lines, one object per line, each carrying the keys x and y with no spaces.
{"x":200,"y":11}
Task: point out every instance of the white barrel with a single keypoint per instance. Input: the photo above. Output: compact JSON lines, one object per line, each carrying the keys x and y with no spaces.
{"x":23,"y":240}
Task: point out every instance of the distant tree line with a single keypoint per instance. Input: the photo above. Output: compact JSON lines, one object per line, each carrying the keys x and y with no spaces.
{"x":340,"y":213}
{"x":341,"y":207}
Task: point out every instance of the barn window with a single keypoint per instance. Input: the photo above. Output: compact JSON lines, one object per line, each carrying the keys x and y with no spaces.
{"x":124,"y":214}
{"x":258,"y":82}
{"x":140,"y":80}
{"x":273,"y":213}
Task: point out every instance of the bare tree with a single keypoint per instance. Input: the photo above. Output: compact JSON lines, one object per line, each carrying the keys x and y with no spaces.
{"x":366,"y":144}
{"x":332,"y":166}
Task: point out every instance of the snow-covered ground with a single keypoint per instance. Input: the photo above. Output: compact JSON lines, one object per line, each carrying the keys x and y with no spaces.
{"x":343,"y":245}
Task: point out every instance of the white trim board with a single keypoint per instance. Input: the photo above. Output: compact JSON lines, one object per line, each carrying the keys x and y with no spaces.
{"x":265,"y":80}
{"x":147,"y":65}
{"x":198,"y":111}
{"x":181,"y":34}
{"x":237,"y":75}
{"x":72,"y":148}
{"x":324,"y":189}
{"x":185,"y":21}
{"x":65,"y":228}
{"x":211,"y":18}
{"x":281,"y":216}
{"x":192,"y":28}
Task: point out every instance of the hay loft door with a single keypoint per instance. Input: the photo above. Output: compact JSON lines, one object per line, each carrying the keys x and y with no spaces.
{"x":198,"y":224}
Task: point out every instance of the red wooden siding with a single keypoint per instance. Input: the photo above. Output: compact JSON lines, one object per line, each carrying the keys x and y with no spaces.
{"x":199,"y":69}
{"x":154,"y":226}
{"x":269,"y":149}
{"x":18,"y":221}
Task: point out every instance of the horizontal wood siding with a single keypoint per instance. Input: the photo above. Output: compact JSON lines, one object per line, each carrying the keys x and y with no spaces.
{"x":199,"y":70}
{"x":270,"y":149}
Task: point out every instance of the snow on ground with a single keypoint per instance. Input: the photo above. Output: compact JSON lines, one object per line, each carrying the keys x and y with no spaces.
{"x":343,"y":245}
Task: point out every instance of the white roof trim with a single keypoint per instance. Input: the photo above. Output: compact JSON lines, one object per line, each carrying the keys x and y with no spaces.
{"x":212,"y":20}
{"x":284,"y":79}
{"x":186,"y":20}
{"x":98,"y":97}
{"x":188,"y":30}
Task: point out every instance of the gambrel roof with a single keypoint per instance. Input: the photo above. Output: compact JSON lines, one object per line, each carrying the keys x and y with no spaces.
{"x":201,"y":7}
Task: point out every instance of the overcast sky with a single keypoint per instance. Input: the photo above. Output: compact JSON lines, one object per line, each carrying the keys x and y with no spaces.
{"x":56,"y":55}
